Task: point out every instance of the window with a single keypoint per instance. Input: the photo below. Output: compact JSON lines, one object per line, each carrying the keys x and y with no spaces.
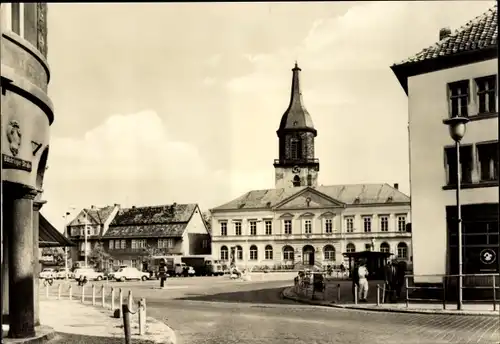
{"x":459,"y":98}
{"x":239,"y":252}
{"x":253,"y":252}
{"x":138,"y":243}
{"x":253,"y":228}
{"x":295,"y":149}
{"x":237,"y":228}
{"x":384,"y":223}
{"x":350,"y":248}
{"x":133,"y":263}
{"x":288,"y":253}
{"x":269,"y":227}
{"x":402,"y":250}
{"x":328,"y":226}
{"x":367,"y":224}
{"x":123,"y":244}
{"x":204,"y":243}
{"x":368,"y":247}
{"x":269,"y":252}
{"x":296,"y":181}
{"x":288,"y":226}
{"x":166,"y":243}
{"x":17,"y":16}
{"x":402,"y":223}
{"x":486,"y":94}
{"x":223,"y":229}
{"x":384,"y":247}
{"x":488,"y":161}
{"x":224,"y":253}
{"x":307,"y":227}
{"x":349,"y":224}
{"x":329,"y":253}
{"x":465,"y":165}
{"x":111,"y":244}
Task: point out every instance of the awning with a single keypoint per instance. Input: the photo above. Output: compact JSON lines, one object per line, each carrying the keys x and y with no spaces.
{"x":49,"y":236}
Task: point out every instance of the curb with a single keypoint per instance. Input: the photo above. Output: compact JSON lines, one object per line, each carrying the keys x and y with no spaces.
{"x":43,"y":335}
{"x":170,"y":337}
{"x":384,"y":310}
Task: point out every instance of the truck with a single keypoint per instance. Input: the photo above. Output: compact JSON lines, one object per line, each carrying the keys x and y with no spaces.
{"x":170,"y":263}
{"x":204,"y":266}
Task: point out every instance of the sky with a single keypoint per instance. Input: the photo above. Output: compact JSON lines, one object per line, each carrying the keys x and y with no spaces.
{"x":180,"y":102}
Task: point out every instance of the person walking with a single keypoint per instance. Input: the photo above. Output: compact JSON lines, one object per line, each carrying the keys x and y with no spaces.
{"x":363,"y":282}
{"x":390,"y":279}
{"x":355,"y":280}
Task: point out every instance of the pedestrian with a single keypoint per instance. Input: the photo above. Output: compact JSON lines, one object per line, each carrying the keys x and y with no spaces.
{"x":400,"y":277}
{"x":390,"y":278}
{"x":363,"y":282}
{"x":355,"y":279}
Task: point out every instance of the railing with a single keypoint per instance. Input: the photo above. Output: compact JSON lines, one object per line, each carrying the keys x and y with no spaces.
{"x":489,"y":283}
{"x":296,"y":161}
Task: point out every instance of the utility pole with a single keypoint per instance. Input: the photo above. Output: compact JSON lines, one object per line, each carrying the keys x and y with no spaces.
{"x":65,"y":247}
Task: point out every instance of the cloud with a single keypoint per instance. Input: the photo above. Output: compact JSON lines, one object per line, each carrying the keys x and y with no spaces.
{"x":134,"y":160}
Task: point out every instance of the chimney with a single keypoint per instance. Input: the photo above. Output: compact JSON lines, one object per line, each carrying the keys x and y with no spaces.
{"x":396,"y":186}
{"x":92,"y":207}
{"x":444,"y":32}
{"x":117,"y":205}
{"x":133,"y":207}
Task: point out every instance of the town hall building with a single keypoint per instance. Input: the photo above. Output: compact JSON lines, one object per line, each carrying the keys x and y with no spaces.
{"x":301,"y":222}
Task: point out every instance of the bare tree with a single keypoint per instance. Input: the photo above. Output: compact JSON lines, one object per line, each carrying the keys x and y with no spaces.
{"x":98,"y":257}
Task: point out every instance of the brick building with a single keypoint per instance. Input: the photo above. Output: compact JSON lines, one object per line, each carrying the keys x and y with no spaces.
{"x":301,"y":222}
{"x":138,"y":232}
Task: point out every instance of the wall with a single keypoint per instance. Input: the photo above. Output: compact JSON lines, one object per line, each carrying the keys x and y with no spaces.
{"x":284,"y":176}
{"x":194,"y":235}
{"x":427,"y":107}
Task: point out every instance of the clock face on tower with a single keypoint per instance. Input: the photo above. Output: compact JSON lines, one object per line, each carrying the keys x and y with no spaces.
{"x":296,"y":169}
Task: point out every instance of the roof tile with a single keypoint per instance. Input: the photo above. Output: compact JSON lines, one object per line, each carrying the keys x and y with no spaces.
{"x":477,"y":34}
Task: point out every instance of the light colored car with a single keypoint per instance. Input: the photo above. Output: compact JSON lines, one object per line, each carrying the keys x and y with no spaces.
{"x":130,"y":273}
{"x":62,"y":273}
{"x":191,"y":272}
{"x":90,"y":273}
{"x":47,"y":273}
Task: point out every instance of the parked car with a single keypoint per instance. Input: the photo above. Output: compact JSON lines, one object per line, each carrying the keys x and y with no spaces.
{"x":90,"y":273}
{"x":47,"y":273}
{"x":130,"y":273}
{"x":63,"y":273}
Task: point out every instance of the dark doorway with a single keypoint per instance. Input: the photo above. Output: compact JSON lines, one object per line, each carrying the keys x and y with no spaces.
{"x":308,"y":255}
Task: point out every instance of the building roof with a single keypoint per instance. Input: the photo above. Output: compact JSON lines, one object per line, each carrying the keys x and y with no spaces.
{"x":49,"y":236}
{"x":351,"y":194}
{"x":475,"y":41}
{"x":94,"y":215}
{"x":479,"y":33}
{"x":296,"y":115}
{"x":157,"y":221}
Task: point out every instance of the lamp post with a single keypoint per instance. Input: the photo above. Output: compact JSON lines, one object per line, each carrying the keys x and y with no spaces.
{"x":66,"y":234}
{"x":457,"y":126}
{"x":85,"y":236}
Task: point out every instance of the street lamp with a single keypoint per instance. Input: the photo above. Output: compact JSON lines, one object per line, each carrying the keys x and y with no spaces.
{"x":457,"y":126}
{"x":66,"y":234}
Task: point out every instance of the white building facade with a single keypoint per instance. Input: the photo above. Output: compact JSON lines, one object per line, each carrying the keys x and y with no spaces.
{"x":456,"y":77}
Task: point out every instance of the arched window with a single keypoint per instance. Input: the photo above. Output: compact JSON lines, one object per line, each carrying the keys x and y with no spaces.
{"x":309,"y":180}
{"x":350,"y":248}
{"x":296,"y":181}
{"x":269,"y":252}
{"x":288,"y":253}
{"x":224,"y":253}
{"x":295,"y":149}
{"x":402,"y":250}
{"x":239,"y":253}
{"x":253,"y":252}
{"x":329,"y":253}
{"x":384,"y":247}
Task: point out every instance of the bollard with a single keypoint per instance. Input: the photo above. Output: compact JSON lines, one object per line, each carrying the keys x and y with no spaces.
{"x":93,"y":295}
{"x":383,"y":294}
{"x":126,"y":323}
{"x":406,"y":293}
{"x":59,"y":287}
{"x":338,"y":292}
{"x":494,"y":294}
{"x":130,"y":300}
{"x":103,"y":296}
{"x":112,"y":299}
{"x":120,"y":298}
{"x":70,"y":292}
{"x":378,"y":295}
{"x":142,"y":316}
{"x":83,"y":293}
{"x":355,"y":294}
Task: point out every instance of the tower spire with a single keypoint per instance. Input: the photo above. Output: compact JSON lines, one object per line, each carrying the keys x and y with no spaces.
{"x":296,"y":93}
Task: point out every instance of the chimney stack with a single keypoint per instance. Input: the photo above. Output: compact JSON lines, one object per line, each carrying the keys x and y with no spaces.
{"x":92,"y":207}
{"x":396,"y":186}
{"x":444,"y":32}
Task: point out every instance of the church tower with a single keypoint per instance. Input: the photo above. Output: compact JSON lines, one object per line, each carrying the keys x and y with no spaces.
{"x":296,"y":165}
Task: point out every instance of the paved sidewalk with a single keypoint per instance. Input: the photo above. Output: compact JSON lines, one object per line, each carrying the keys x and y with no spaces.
{"x":72,"y":317}
{"x":471,"y":309}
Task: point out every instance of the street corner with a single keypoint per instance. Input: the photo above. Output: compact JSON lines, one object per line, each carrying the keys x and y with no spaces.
{"x":159,"y":332}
